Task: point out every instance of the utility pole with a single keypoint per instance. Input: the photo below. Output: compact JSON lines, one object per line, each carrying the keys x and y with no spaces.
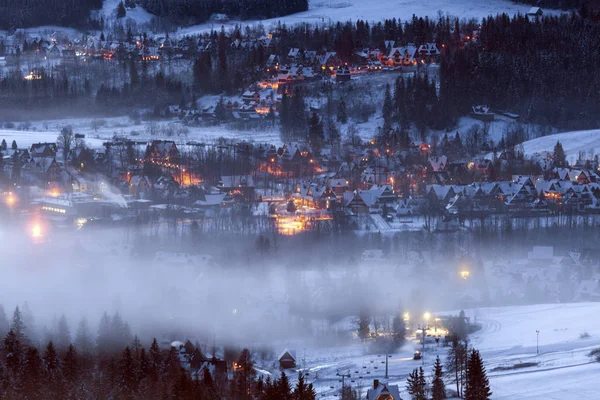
{"x":386,"y":365}
{"x":343,"y":376}
{"x":537,"y":344}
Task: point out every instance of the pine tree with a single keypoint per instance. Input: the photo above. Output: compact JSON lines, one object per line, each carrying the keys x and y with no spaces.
{"x":4,"y":326}
{"x":388,"y":109}
{"x":3,"y":146}
{"x":104,"y":339}
{"x":478,"y":385}
{"x":283,"y":387}
{"x":70,"y":365}
{"x":415,"y":384}
{"x":398,"y":330}
{"x":560,"y":158}
{"x":63,"y":336}
{"x":121,"y":12}
{"x":127,"y":381}
{"x":53,"y":373}
{"x":438,"y":388}
{"x":13,"y":145}
{"x":316,"y":134}
{"x":32,"y":375}
{"x":13,"y":353}
{"x":363,"y":324}
{"x":18,"y":326}
{"x":301,"y":390}
{"x":83,"y":338}
{"x":342,"y":113}
{"x":155,"y":360}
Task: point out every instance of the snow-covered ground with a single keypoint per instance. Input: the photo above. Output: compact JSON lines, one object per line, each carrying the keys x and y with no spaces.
{"x":138,"y":14}
{"x":344,"y":10}
{"x":568,"y":332}
{"x":573,"y":143}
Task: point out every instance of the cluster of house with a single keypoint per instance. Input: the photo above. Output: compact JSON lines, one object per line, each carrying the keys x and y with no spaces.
{"x":542,"y":276}
{"x":574,"y":190}
{"x":391,"y":183}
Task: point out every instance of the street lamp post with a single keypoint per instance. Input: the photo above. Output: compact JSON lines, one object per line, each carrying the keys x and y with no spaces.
{"x":537,"y":344}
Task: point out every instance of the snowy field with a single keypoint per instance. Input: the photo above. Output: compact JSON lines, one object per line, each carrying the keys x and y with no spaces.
{"x":573,"y":143}
{"x":508,"y":337}
{"x":343,"y":10}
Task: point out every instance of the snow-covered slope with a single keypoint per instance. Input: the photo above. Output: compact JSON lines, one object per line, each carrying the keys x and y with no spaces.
{"x":572,"y":142}
{"x":138,"y":14}
{"x":562,"y":370}
{"x":343,"y":10}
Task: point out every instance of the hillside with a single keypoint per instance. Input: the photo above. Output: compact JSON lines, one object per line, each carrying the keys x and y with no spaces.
{"x":344,"y":10}
{"x":572,"y":142}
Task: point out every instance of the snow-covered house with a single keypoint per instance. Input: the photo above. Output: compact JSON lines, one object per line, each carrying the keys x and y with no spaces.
{"x":383,"y":391}
{"x":287,"y":359}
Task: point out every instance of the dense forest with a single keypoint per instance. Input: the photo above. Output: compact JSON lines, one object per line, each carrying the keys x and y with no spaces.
{"x":28,"y":13}
{"x":116,"y":364}
{"x":188,"y":12}
{"x":545,"y":71}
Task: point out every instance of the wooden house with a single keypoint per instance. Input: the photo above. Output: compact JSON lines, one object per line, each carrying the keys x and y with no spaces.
{"x":287,"y":359}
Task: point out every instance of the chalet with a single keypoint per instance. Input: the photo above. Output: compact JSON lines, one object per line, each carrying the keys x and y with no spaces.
{"x":240,"y":187}
{"x":163,"y":152}
{"x":328,"y":61}
{"x":343,"y":74}
{"x":294,"y":54}
{"x":535,"y":12}
{"x":401,"y":56}
{"x":272,"y":61}
{"x":428,"y":53}
{"x":140,"y":186}
{"x":361,"y":201}
{"x":383,"y":391}
{"x":287,"y":359}
{"x":251,"y":96}
{"x":43,"y":150}
{"x":438,"y":163}
{"x":441,"y":193}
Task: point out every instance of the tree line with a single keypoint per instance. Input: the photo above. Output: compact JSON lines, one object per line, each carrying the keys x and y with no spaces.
{"x":187,"y":12}
{"x":28,"y":13}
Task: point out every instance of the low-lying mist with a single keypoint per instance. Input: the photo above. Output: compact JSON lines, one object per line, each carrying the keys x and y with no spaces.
{"x":226,"y":294}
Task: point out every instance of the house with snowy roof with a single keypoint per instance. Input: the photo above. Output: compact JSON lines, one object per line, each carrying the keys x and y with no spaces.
{"x":287,"y":359}
{"x":383,"y":391}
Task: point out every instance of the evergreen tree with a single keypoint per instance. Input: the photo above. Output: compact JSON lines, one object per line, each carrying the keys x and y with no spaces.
{"x":560,"y":158}
{"x":83,"y":338}
{"x":301,"y":389}
{"x":13,"y":145}
{"x":121,"y":12}
{"x":53,"y":373}
{"x":70,"y":365}
{"x":4,"y":326}
{"x":32,"y":375}
{"x":363,"y":324}
{"x":63,"y":336}
{"x":3,"y":146}
{"x":478,"y":385}
{"x":13,"y":353}
{"x":415,"y":384}
{"x":398,"y":330}
{"x":388,"y":109}
{"x":128,"y":381}
{"x":316,"y":134}
{"x":18,"y":326}
{"x":283,"y":387}
{"x":104,"y":339}
{"x":438,"y":387}
{"x":342,"y":113}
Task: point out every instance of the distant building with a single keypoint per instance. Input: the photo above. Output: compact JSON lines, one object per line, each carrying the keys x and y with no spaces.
{"x":383,"y":391}
{"x":287,"y":359}
{"x":535,"y":12}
